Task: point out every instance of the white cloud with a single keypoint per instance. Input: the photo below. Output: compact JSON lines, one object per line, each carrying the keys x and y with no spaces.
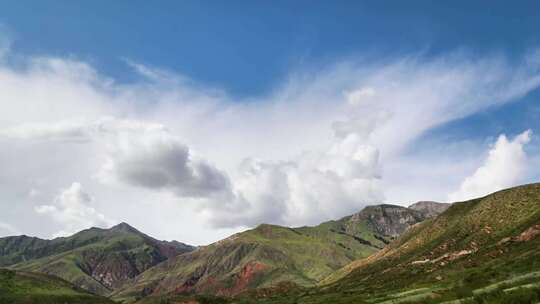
{"x":320,"y":146}
{"x":505,"y":166}
{"x":138,"y":153}
{"x":396,"y":103}
{"x":159,"y":160}
{"x":33,"y":193}
{"x":304,"y":191}
{"x":73,"y":210}
{"x":384,"y":111}
{"x":79,"y":131}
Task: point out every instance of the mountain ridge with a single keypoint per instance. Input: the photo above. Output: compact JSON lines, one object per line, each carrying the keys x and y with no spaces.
{"x":96,"y":259}
{"x":270,"y":254}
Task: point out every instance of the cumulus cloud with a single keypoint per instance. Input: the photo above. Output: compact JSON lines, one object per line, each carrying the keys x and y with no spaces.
{"x":505,"y":166}
{"x":73,"y":209}
{"x":161,"y":161}
{"x":311,"y":188}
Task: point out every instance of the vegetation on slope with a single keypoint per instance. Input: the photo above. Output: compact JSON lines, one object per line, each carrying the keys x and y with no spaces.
{"x":269,"y":254}
{"x":98,"y":260}
{"x":482,"y":251}
{"x":18,"y":287}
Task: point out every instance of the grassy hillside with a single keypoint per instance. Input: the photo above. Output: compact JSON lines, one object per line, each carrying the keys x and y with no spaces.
{"x":98,"y":260}
{"x":270,"y":254}
{"x":31,"y":288}
{"x":485,"y":250}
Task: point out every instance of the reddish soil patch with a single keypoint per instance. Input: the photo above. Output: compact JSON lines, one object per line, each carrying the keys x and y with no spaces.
{"x":525,"y":236}
{"x":529,"y":234}
{"x":245,"y":276}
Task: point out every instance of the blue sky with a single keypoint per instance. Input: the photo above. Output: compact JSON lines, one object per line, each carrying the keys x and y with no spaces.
{"x":222,"y":115}
{"x":248,"y":46}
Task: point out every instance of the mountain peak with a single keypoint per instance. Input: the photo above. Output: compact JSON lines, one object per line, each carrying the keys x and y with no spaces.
{"x":124,"y":227}
{"x":97,"y":270}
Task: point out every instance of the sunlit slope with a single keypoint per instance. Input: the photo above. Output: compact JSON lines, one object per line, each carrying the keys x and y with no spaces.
{"x":487,"y":247}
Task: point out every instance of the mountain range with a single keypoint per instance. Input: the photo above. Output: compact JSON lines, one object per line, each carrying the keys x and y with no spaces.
{"x":270,"y":254}
{"x":128,"y":265}
{"x":480,"y":250}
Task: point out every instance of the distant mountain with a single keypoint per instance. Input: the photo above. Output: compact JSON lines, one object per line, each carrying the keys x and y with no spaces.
{"x":98,"y":260}
{"x":269,"y":254}
{"x":429,"y":209}
{"x":484,"y":250}
{"x":18,"y":287}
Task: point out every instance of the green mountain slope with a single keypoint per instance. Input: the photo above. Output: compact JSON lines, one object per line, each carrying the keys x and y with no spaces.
{"x":98,"y":260}
{"x":32,"y":288}
{"x":270,"y":254}
{"x":485,"y":250}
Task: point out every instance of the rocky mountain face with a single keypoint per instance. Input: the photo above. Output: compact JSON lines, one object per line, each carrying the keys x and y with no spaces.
{"x":429,"y":208}
{"x":98,"y":260}
{"x":386,"y":220}
{"x":270,"y":254}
